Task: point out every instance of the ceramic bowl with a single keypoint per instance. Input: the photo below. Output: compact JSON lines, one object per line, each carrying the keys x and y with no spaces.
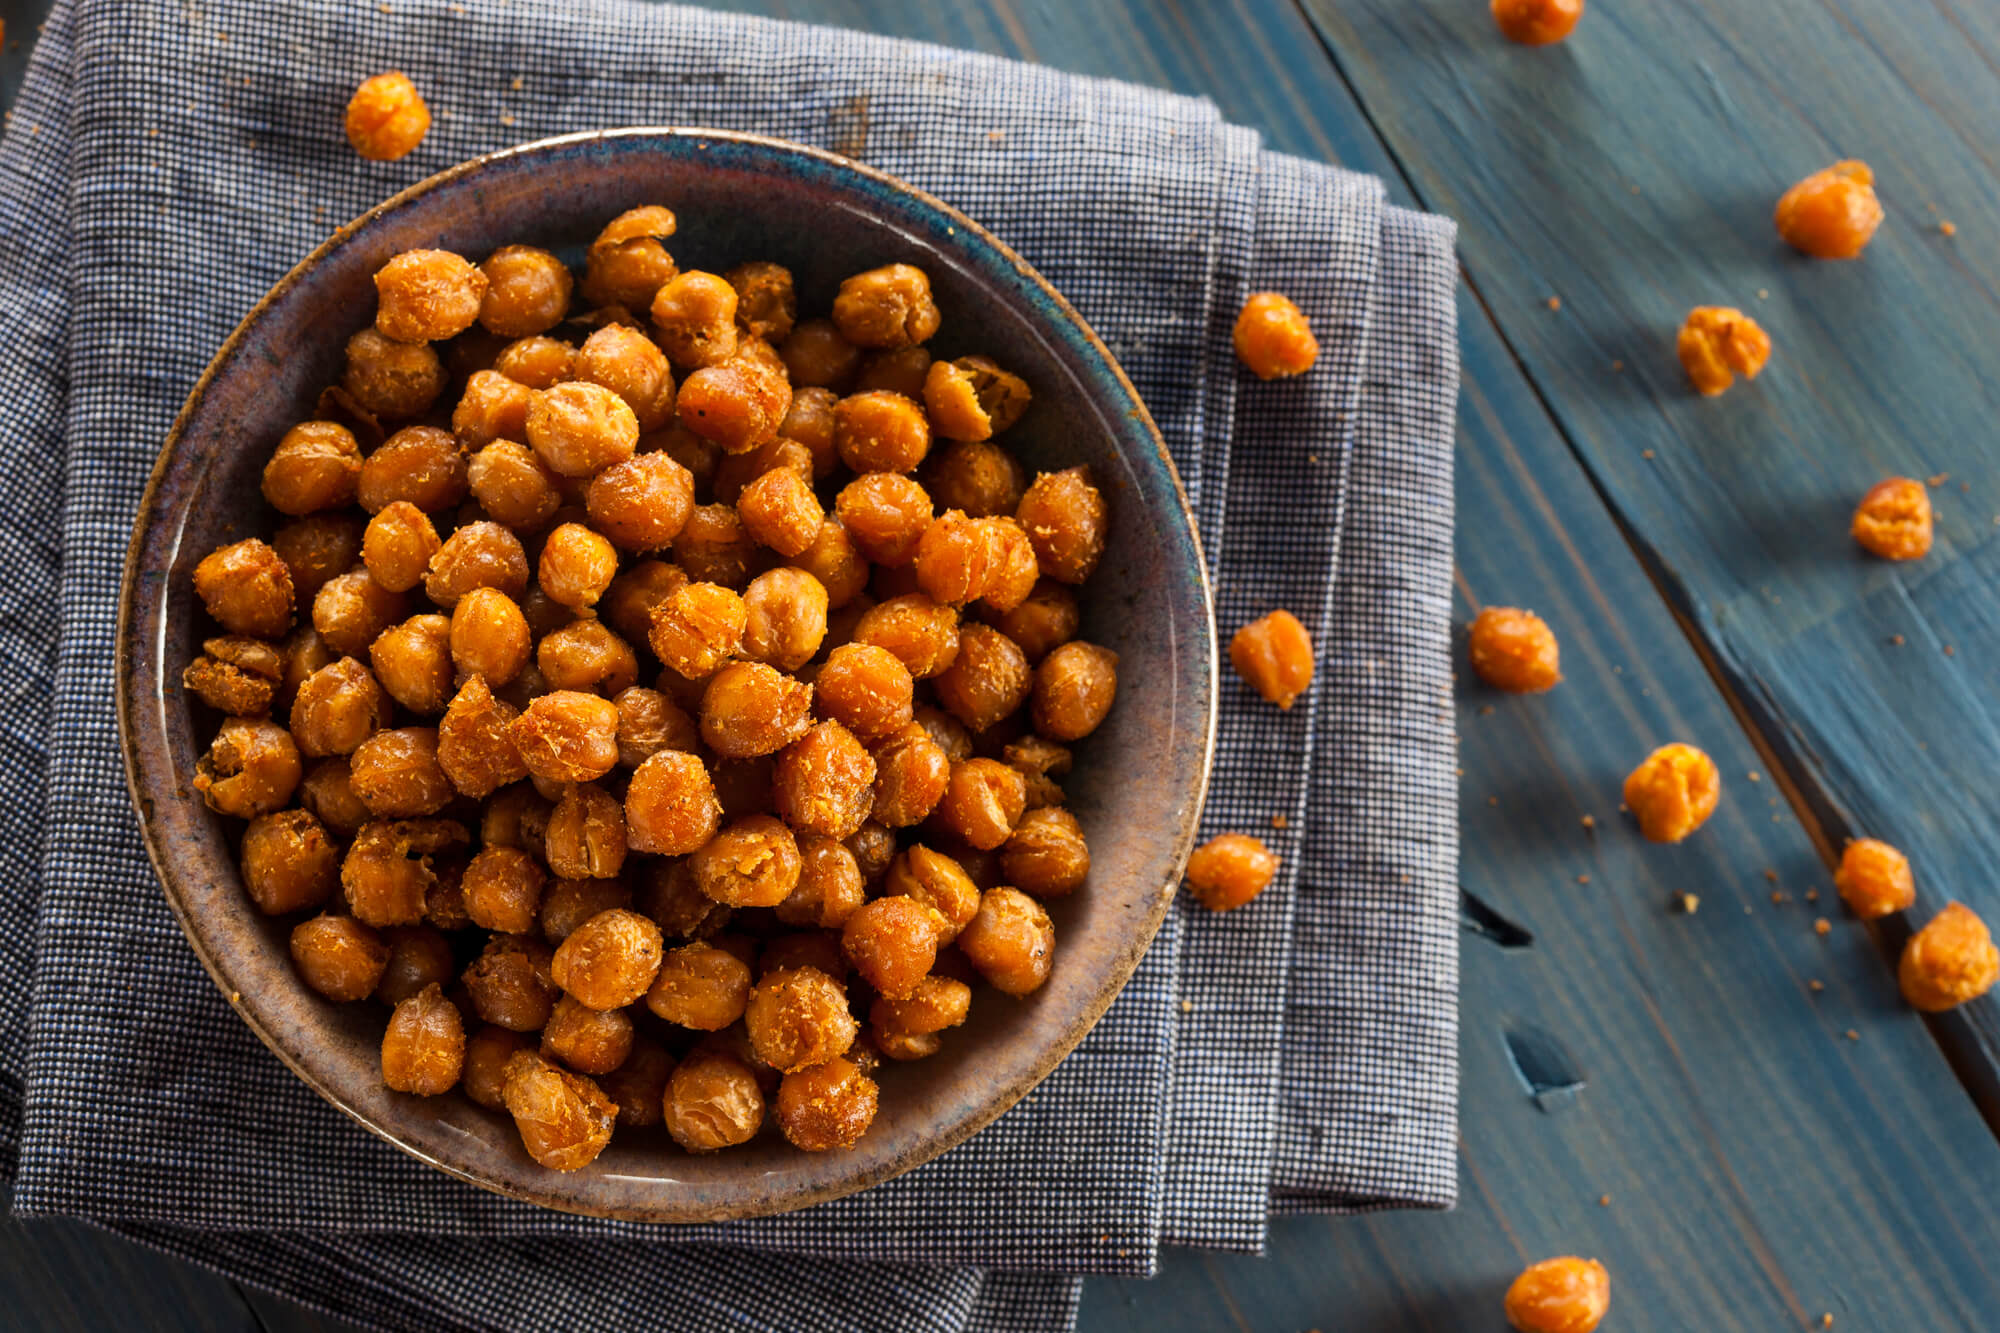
{"x":1140,"y":779}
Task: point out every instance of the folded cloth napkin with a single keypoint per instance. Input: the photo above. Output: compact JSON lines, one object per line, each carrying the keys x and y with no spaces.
{"x":162,"y":168}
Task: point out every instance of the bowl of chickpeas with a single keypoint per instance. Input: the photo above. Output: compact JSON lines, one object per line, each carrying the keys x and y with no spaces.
{"x":667,"y":674}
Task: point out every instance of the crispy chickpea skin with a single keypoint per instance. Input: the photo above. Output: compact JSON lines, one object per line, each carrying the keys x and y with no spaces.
{"x":564,"y":1119}
{"x":476,"y":745}
{"x":488,"y":636}
{"x":351,"y":610}
{"x":314,"y":467}
{"x":1065,"y":517}
{"x":478,"y":555}
{"x":328,"y":793}
{"x":423,"y":1049}
{"x":935,"y":1004}
{"x":610,"y":960}
{"x":987,"y":680}
{"x":892,"y":943}
{"x":1275,"y":655}
{"x":1273,"y":338}
{"x":510,"y":985}
{"x":568,"y":736}
{"x":338,"y":956}
{"x":1874,"y":879}
{"x":577,"y":565}
{"x":827,"y":1106}
{"x":886,"y":307}
{"x":798,"y":1017}
{"x":766,"y":305}
{"x":486,"y":1054}
{"x":1893,"y":521}
{"x":627,"y":605}
{"x":1074,"y":689}
{"x":923,"y":635}
{"x":973,"y":399}
{"x":961,"y":560}
{"x":1718,"y":343}
{"x":700,"y":986}
{"x":982,"y":480}
{"x":1045,"y":621}
{"x":589,"y":1041}
{"x":585,"y":838}
{"x":391,"y":380}
{"x":1514,"y":650}
{"x":649,"y":722}
{"x":289,"y":863}
{"x":538,"y":362}
{"x":527,"y":291}
{"x":712,"y":1101}
{"x":1536,"y":22}
{"x":235,"y":675}
{"x":251,"y":769}
{"x":911,"y":770}
{"x":1229,"y":870}
{"x":1041,"y":761}
{"x":1951,"y":960}
{"x":1046,"y":855}
{"x":247,"y":588}
{"x":427,"y":296}
{"x":754,"y":862}
{"x":627,"y":264}
{"x":749,"y":709}
{"x":1011,"y":941}
{"x":784,"y":619}
{"x":338,"y":707}
{"x":1831,"y":214}
{"x":503,"y":890}
{"x":1673,"y":792}
{"x":386,"y":117}
{"x":824,"y":782}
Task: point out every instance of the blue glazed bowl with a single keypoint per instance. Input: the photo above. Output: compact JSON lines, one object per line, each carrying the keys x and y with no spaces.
{"x":1140,"y":779}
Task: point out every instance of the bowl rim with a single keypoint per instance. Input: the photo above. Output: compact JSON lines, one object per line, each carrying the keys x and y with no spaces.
{"x":998,"y":1099}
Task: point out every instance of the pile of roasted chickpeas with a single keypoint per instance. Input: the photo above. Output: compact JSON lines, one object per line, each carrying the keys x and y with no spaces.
{"x":658,"y":702}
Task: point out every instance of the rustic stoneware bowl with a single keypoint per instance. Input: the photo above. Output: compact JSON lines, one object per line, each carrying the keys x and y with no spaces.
{"x":1141,"y":777}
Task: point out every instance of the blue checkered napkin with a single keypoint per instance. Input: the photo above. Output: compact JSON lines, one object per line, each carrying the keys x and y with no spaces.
{"x":1154,"y":218}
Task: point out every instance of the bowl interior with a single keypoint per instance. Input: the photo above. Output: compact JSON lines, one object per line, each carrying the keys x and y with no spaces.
{"x":1139,"y":780}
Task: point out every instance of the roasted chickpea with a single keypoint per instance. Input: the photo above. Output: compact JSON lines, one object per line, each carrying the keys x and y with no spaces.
{"x":564,"y":1119}
{"x":577,"y":565}
{"x":1229,"y":870}
{"x":476,"y":745}
{"x":643,"y":503}
{"x":879,"y":431}
{"x":423,"y":1049}
{"x":649,"y":722}
{"x":610,"y":960}
{"x":1567,"y":1294}
{"x":1046,"y":620}
{"x":714,"y":547}
{"x":735,"y":472}
{"x":386,"y":117}
{"x":697,"y":628}
{"x":983,"y":800}
{"x":936,"y":881}
{"x":329,"y":794}
{"x":488,"y":636}
{"x":420,"y":464}
{"x":390,"y":380}
{"x":1951,"y":960}
{"x":886,"y":307}
{"x":413,"y":662}
{"x":753,"y":862}
{"x":338,"y":707}
{"x":950,"y":734}
{"x":832,"y":558}
{"x":784,"y":618}
{"x":885,"y":515}
{"x":510,"y":983}
{"x":627,"y":264}
{"x":539,"y":362}
{"x":973,"y":399}
{"x":397,"y":547}
{"x":444,"y":901}
{"x":816,"y":356}
{"x":981,"y":480}
{"x":824,"y":782}
{"x":251,"y":769}
{"x":302,"y":653}
{"x":1873,"y":879}
{"x":427,"y":296}
{"x":314,"y":467}
{"x":700,"y":986}
{"x":921,"y":634}
{"x":580,"y":429}
{"x":1831,"y":214}
{"x":829,"y":891}
{"x":338,"y":956}
{"x":911,"y":772}
{"x":628,"y":363}
{"x":639,"y":1086}
{"x":527,"y":291}
{"x":486,"y":1056}
{"x":935,"y":1004}
{"x":1893,"y":520}
{"x":873,"y":847}
{"x":514,"y":485}
{"x":779,"y":510}
{"x":712,"y":1102}
{"x":478,"y":555}
{"x":1011,"y":941}
{"x":1275,"y":655}
{"x":492,"y":408}
{"x":766,"y":305}
{"x":899,"y":370}
{"x":1040,"y":761}
{"x":350,"y":611}
{"x":744,"y":786}
{"x":988,"y":678}
{"x":809,"y":422}
{"x":628,"y":604}
{"x":1514,"y":650}
{"x":1046,"y":855}
{"x":1065,"y":518}
{"x":316,"y":548}
{"x":750,"y":709}
{"x":235,"y":675}
{"x":819,"y":949}
{"x":589,"y":1041}
{"x":670,"y":804}
{"x":586,"y":834}
{"x":419,"y":956}
{"x":388,"y":870}
{"x":827,"y":1106}
{"x":568,"y":736}
{"x":396,"y":774}
{"x":867,"y":689}
{"x":1272,"y":336}
{"x":892,"y":943}
{"x":568,"y":903}
{"x":695,"y":314}
{"x":289,"y":862}
{"x":962,"y":560}
{"x":517,"y":817}
{"x":1673,"y":792}
{"x":247,"y":588}
{"x":670,"y":897}
{"x":1718,"y":343}
{"x":1074,"y":688}
{"x":737,"y":404}
{"x":502,"y":887}
{"x":798,"y":1017}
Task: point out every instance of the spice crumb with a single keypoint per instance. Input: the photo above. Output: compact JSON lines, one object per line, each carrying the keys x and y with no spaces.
{"x":1589,"y":822}
{"x":1493,"y":800}
{"x":1815,"y":985}
{"x":1604,"y":1201}
{"x":1821,"y":926}
{"x":1187,"y":1006}
{"x":385,"y":9}
{"x":1618,"y":366}
{"x":1896,"y":640}
{"x":1645,"y":453}
{"x":1937,"y":479}
{"x":1583,"y":879}
{"x":1689,"y":903}
{"x":517,"y":84}
{"x":1279,"y":821}
{"x":1555,"y":303}
{"x":1763,"y":293}
{"x":1852,"y":1035}
{"x":1779,"y":897}
{"x":1950,"y":651}
{"x":1484,"y":709}
{"x":1755,"y":776}
{"x":1770,"y":874}
{"x":506,"y":118}
{"x":1947,"y":228}
{"x":1812,"y":895}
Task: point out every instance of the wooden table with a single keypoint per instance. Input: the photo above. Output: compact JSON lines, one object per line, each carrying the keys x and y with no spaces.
{"x":1737,"y":1114}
